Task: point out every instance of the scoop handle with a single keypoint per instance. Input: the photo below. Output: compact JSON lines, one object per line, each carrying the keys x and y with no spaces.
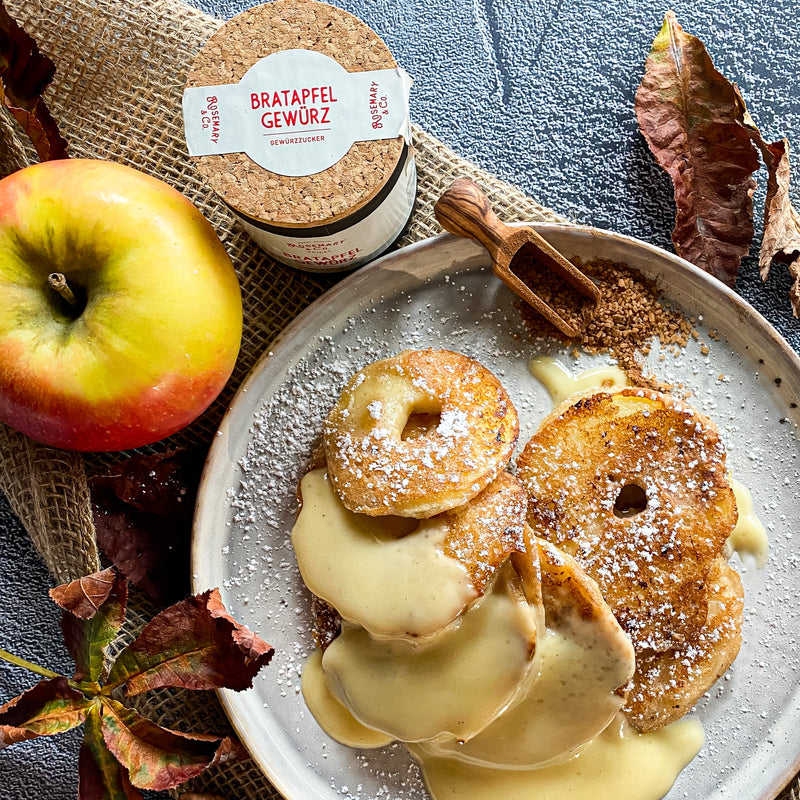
{"x":463,"y":209}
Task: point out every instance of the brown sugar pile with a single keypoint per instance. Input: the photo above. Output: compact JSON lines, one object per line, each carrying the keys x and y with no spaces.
{"x":627,"y":318}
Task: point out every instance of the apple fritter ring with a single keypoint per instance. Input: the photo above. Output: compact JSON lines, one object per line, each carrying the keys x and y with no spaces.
{"x":633,"y":485}
{"x":667,"y":685}
{"x":418,"y":434}
{"x":402,"y":578}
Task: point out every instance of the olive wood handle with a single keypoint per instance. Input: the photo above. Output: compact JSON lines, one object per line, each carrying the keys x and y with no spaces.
{"x":463,"y":209}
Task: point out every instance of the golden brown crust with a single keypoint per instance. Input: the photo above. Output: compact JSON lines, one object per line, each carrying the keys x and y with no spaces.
{"x":667,"y":685}
{"x":570,"y":595}
{"x":633,"y":484}
{"x":566,"y":584}
{"x":656,"y":554}
{"x":526,"y":564}
{"x":485,"y":532}
{"x":378,"y":467}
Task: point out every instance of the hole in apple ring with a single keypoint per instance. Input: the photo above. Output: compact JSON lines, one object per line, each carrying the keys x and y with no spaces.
{"x":631,"y":500}
{"x":420,"y":424}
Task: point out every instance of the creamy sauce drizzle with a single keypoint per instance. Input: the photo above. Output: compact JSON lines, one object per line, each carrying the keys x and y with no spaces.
{"x":331,"y":715}
{"x":454,"y":686}
{"x":560,"y":383}
{"x":391,"y":585}
{"x":620,"y":764}
{"x":571,"y":702}
{"x":749,"y":536}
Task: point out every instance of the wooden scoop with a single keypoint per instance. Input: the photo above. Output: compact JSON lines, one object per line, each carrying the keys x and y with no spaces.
{"x":464,"y":210}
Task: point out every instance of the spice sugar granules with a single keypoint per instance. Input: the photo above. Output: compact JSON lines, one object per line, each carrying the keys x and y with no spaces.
{"x":628,"y":317}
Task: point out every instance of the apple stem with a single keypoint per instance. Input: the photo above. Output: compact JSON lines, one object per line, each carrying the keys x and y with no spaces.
{"x":59,"y":283}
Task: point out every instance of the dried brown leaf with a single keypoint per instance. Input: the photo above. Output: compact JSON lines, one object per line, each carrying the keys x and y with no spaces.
{"x":24,"y":75}
{"x":194,"y":644}
{"x":691,"y":118}
{"x":85,"y":595}
{"x":781,"y":239}
{"x":87,"y":637}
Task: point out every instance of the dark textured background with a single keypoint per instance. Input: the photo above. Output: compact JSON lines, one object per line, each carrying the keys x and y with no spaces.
{"x":539,"y":92}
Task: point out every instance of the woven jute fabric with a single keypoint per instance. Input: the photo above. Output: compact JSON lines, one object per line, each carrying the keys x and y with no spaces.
{"x":121,"y":67}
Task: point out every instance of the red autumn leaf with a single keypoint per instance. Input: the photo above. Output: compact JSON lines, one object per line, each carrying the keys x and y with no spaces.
{"x":158,"y":758}
{"x":194,"y":644}
{"x":142,"y":512}
{"x":100,"y":775}
{"x":159,"y":483}
{"x":51,"y":706}
{"x":691,"y":118}
{"x":24,"y":75}
{"x":104,"y":597}
{"x":85,"y":595}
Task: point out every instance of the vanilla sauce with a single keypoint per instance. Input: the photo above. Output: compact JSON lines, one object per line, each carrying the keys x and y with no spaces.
{"x":749,"y":536}
{"x":402,"y":583}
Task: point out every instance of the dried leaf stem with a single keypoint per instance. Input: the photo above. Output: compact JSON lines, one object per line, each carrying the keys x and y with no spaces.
{"x":29,"y":665}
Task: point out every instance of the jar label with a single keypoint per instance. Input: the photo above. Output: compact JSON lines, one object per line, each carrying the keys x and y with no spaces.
{"x":351,"y":247}
{"x":297,"y":112}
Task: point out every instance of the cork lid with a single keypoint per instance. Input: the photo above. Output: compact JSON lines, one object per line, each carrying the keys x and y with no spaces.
{"x":309,"y":200}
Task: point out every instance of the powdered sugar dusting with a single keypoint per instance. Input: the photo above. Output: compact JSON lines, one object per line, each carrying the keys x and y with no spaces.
{"x":453,"y":424}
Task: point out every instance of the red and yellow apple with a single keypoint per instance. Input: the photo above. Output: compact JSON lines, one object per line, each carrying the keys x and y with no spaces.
{"x":120,"y":310}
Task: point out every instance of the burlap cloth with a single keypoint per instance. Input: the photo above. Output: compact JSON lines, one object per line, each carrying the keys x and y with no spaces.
{"x":120,"y":74}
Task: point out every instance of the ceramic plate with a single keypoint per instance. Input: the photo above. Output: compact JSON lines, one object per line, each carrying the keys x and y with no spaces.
{"x":441,"y":293}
